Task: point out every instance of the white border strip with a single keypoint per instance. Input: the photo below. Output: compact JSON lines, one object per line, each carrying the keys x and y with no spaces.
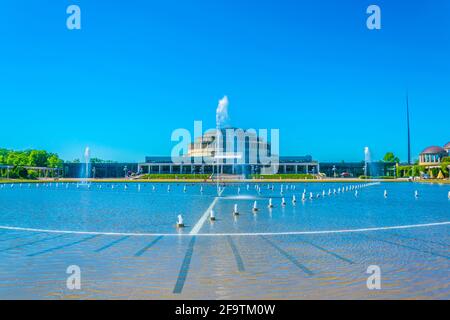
{"x":411,"y":226}
{"x":205,"y":215}
{"x":203,"y":218}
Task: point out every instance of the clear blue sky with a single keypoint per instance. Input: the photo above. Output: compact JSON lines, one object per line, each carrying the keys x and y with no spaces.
{"x":139,"y":69}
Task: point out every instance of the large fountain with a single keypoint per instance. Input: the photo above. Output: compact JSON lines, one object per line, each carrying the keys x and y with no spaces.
{"x":371,"y":168}
{"x":367,"y":161}
{"x":86,"y":169}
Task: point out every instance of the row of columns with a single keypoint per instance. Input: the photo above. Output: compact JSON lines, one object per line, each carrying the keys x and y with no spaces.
{"x":430,"y":158}
{"x":153,"y":168}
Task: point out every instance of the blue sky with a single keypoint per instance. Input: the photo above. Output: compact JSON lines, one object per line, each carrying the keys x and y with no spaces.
{"x":137,"y":70}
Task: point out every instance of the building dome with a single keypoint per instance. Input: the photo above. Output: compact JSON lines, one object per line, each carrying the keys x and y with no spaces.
{"x":447,"y":146}
{"x":433,"y":150}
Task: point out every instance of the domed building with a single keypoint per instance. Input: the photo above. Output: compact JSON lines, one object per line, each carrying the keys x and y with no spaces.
{"x":433,"y":155}
{"x":447,"y":147}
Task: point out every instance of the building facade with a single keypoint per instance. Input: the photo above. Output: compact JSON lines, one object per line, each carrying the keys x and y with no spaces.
{"x":99,"y":170}
{"x":230,"y":151}
{"x":285,"y":165}
{"x":357,"y":169}
{"x":432,"y":156}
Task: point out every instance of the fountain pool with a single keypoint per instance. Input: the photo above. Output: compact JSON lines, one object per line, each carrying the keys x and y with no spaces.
{"x":125,"y":241}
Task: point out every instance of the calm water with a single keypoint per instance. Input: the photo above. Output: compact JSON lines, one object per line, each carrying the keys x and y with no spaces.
{"x":231,"y":258}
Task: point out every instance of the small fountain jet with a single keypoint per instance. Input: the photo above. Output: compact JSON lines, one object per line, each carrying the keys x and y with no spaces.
{"x":212,"y":217}
{"x":235,"y":210}
{"x":180,"y":223}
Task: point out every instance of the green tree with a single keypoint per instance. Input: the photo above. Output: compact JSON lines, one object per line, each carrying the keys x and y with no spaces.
{"x":30,"y":158}
{"x":38,"y":158}
{"x":390,"y":157}
{"x":16,"y":158}
{"x":54,"y":161}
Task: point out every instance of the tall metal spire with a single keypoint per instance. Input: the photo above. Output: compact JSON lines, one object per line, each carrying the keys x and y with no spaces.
{"x":407,"y":124}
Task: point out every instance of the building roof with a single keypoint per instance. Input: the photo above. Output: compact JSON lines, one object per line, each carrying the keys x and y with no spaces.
{"x":447,"y":145}
{"x":433,"y":150}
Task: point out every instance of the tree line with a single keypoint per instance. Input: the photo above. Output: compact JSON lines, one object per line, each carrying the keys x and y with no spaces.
{"x":27,"y":158}
{"x":31,"y":158}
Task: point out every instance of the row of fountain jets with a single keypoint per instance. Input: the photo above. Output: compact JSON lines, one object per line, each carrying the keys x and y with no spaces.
{"x":255,"y":209}
{"x":257,"y":188}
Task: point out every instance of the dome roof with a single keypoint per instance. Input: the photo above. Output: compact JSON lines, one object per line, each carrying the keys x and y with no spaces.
{"x":434,"y":150}
{"x":447,"y":145}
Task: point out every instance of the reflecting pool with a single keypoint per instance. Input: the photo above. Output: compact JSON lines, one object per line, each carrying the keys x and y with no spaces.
{"x":124,"y":239}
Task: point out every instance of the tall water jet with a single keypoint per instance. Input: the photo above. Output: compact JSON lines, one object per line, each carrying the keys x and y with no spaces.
{"x":221,"y":121}
{"x":367,"y":160}
{"x":87,"y":158}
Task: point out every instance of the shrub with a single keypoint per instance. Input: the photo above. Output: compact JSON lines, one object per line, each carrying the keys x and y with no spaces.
{"x":18,"y":172}
{"x":380,"y":177}
{"x":32,"y":174}
{"x":175,"y":176}
{"x":444,"y":168}
{"x":283,"y":176}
